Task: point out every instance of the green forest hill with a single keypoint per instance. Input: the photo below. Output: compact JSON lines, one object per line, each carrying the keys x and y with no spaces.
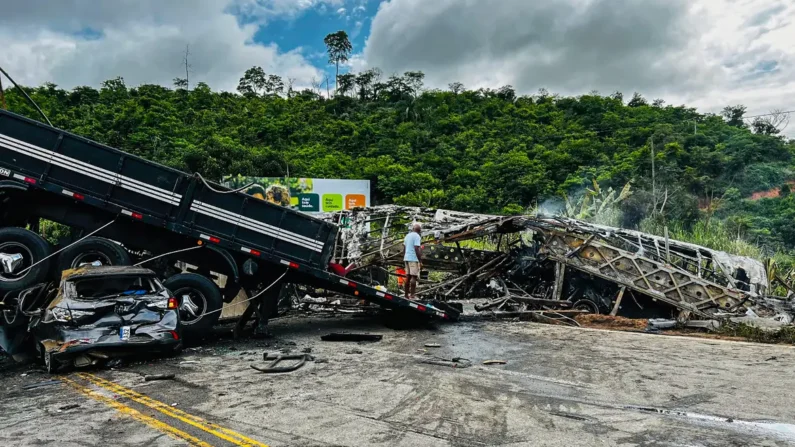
{"x":486,"y":151}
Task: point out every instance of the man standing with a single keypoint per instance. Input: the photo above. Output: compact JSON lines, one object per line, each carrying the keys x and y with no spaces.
{"x":412,"y":257}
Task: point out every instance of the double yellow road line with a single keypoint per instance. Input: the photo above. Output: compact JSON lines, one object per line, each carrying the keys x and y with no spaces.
{"x":216,"y":430}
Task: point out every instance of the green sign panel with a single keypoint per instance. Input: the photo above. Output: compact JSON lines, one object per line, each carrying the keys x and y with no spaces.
{"x":309,"y":203}
{"x":332,"y":202}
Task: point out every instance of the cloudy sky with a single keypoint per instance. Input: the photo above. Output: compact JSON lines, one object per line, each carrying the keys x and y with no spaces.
{"x":703,"y":53}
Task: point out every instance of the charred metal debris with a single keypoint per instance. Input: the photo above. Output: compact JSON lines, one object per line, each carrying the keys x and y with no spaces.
{"x":556,"y":267}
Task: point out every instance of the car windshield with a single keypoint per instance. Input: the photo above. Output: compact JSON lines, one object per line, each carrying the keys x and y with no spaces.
{"x":114,"y":286}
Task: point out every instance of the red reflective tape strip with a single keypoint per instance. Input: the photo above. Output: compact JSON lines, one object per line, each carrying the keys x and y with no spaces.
{"x":293,"y":265}
{"x":132,"y":214}
{"x":25,"y":179}
{"x":73,"y":194}
{"x":421,"y":308}
{"x":387,"y":297}
{"x":250,"y":251}
{"x":214,"y":239}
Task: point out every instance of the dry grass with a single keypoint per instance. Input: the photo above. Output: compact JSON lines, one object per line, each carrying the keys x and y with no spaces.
{"x":609,"y":322}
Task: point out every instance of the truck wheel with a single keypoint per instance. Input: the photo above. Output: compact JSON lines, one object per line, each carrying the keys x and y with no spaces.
{"x":93,"y":249}
{"x":21,"y":249}
{"x":197,"y":296}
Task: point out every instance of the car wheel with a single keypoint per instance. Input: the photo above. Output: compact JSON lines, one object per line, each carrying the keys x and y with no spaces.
{"x":91,"y":250}
{"x":200,"y":301}
{"x":19,"y":250}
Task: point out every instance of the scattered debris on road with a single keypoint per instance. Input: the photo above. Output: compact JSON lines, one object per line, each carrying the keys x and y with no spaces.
{"x":351,"y":337}
{"x":455,"y":362}
{"x":151,"y":377}
{"x":41,"y":384}
{"x":494,"y":362}
{"x":68,"y":407}
{"x":276,"y":359}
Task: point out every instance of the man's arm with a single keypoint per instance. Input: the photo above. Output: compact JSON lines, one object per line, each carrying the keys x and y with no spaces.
{"x":418,"y":250}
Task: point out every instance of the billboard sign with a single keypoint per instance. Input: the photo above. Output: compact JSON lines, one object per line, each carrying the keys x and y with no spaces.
{"x":310,"y":195}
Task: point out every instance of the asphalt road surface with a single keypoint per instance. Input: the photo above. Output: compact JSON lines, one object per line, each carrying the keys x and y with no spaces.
{"x":559,"y":387}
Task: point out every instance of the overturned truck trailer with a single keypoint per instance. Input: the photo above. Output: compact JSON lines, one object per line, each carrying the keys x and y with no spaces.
{"x":542,"y":262}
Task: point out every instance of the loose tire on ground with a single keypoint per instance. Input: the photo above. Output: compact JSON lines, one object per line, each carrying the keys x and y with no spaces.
{"x":33,"y":248}
{"x":203,"y":293}
{"x":91,"y":249}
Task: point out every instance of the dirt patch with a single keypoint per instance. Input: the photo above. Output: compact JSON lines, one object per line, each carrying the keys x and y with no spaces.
{"x":610,"y":322}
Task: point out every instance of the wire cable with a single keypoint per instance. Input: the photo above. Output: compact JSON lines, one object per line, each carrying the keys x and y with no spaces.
{"x":199,"y":176}
{"x":169,"y":253}
{"x":26,"y":96}
{"x":255,"y":296}
{"x":73,"y":243}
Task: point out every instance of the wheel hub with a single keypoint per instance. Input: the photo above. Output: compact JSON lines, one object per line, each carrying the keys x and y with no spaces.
{"x":189,"y":306}
{"x":11,"y":261}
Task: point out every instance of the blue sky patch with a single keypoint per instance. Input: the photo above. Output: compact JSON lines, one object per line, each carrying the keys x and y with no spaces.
{"x":307,"y":29}
{"x":89,"y":34}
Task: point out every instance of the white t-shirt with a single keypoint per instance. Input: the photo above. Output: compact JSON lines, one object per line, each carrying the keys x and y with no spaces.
{"x":412,"y":240}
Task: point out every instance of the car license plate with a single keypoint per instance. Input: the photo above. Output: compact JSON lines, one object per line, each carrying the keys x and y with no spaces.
{"x":124,"y":333}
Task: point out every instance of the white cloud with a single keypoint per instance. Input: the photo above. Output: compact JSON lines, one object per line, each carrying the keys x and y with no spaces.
{"x":264,"y":10}
{"x":341,"y":12}
{"x":142,"y":41}
{"x":705,"y":53}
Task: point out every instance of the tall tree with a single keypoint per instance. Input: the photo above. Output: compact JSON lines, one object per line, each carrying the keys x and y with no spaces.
{"x":252,"y":82}
{"x":414,"y":80}
{"x":273,"y":85}
{"x":339,"y":49}
{"x":346,"y":82}
{"x":734,"y":115}
{"x":456,"y":87}
{"x":637,"y":101}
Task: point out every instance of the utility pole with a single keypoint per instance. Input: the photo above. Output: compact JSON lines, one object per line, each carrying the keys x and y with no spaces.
{"x":653,"y":177}
{"x":187,"y":67}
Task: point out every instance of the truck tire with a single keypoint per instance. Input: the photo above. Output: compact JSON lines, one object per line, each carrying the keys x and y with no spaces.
{"x":33,"y":248}
{"x":197,"y":296}
{"x":93,"y":249}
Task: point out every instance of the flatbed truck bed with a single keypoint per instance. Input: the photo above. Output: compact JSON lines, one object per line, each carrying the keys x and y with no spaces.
{"x":48,"y":173}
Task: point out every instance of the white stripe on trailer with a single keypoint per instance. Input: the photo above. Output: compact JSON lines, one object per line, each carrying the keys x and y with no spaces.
{"x":205,"y":237}
{"x":67,"y":192}
{"x":342,"y":281}
{"x":245,"y":250}
{"x":414,"y":305}
{"x":89,"y":170}
{"x":380,"y":294}
{"x":259,"y":226}
{"x":282,"y":261}
{"x":228,"y":217}
{"x":127,"y":212}
{"x":154,"y":192}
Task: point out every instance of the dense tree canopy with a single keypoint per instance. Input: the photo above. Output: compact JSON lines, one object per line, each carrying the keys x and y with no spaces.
{"x":473,"y":150}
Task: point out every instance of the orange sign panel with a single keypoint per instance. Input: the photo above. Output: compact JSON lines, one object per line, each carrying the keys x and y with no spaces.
{"x":355,"y":201}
